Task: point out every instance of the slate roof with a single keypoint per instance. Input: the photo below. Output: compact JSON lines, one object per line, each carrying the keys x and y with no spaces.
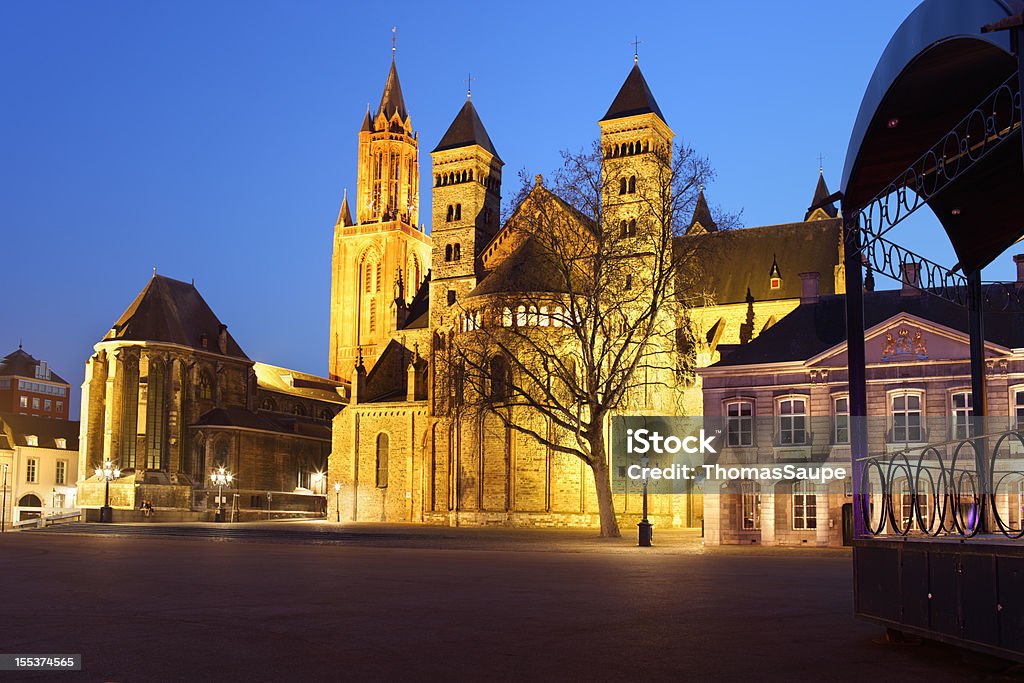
{"x":174,"y":312}
{"x":17,"y":427}
{"x":467,"y":129}
{"x":702,"y":214}
{"x":734,"y":260}
{"x":820,"y":199}
{"x":634,"y":98}
{"x":392,"y":100}
{"x":419,"y":307}
{"x":345,"y":215}
{"x":813,"y":328}
{"x":18,"y":363}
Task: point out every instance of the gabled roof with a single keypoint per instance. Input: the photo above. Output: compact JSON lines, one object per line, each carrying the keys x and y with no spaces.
{"x":392,"y":100}
{"x":174,"y":312}
{"x":820,"y":200}
{"x":702,"y":215}
{"x":419,"y":307}
{"x":733,"y":261}
{"x":634,"y":98}
{"x":813,"y":328}
{"x":18,"y":427}
{"x":18,"y":363}
{"x":466,"y":130}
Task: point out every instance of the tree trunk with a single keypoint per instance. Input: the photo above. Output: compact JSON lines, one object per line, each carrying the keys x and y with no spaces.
{"x":603,"y":486}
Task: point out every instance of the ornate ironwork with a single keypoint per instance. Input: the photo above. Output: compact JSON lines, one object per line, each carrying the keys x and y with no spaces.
{"x":937,"y":490}
{"x":978,"y":134}
{"x":888,"y":258}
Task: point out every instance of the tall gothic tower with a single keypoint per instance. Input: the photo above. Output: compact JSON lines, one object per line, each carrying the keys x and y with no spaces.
{"x":466,"y":206}
{"x":381,"y":258}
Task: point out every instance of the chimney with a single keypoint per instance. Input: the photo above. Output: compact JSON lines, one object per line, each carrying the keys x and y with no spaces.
{"x":908,"y":274}
{"x":222,"y":339}
{"x":809,"y":293}
{"x":1019,"y":260}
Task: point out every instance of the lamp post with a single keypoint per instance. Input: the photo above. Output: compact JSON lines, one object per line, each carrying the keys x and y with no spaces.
{"x":107,"y":472}
{"x":220,"y":478}
{"x":3,"y":507}
{"x":644,"y":528}
{"x":337,"y":498}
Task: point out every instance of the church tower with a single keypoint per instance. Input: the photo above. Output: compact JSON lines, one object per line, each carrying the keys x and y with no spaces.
{"x":381,"y":257}
{"x":466,"y":205}
{"x":636,"y":145}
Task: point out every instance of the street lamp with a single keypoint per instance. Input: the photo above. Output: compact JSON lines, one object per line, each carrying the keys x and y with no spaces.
{"x":221,"y":478}
{"x":107,"y":472}
{"x":644,"y":528}
{"x":337,"y":497}
{"x":3,"y":507}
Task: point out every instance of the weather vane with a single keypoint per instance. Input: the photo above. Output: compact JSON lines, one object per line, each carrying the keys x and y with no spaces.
{"x":636,"y":49}
{"x":469,"y":86}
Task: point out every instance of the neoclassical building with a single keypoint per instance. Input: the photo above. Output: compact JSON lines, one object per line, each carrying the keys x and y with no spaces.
{"x":169,"y":395}
{"x":401,"y":299}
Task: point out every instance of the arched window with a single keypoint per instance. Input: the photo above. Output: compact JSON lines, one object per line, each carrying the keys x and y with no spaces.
{"x":221,"y":453}
{"x":532,"y":317}
{"x":471,"y":174}
{"x":465,"y":176}
{"x":625,"y":228}
{"x":545,"y":319}
{"x":447,"y":252}
{"x":647,"y":146}
{"x":457,"y":252}
{"x":268,"y":404}
{"x":458,"y":212}
{"x":632,"y":184}
{"x":199,"y":459}
{"x":557,"y":314}
{"x":632,"y":227}
{"x":521,"y":316}
{"x":383,"y":448}
{"x":451,"y":213}
{"x":631,"y":148}
{"x":205,"y":386}
{"x":326,"y":415}
{"x":623,"y":186}
{"x":501,"y":379}
{"x":156,"y":415}
{"x":506,"y":317}
{"x":299,"y":410}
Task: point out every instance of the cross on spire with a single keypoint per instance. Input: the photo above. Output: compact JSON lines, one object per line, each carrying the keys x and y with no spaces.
{"x":394,"y":41}
{"x":636,"y":49}
{"x":469,"y":86}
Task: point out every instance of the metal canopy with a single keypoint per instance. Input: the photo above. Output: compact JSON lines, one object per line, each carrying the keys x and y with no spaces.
{"x":938,"y":69}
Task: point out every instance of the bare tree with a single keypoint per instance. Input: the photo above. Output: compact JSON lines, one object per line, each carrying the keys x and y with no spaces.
{"x":584,"y":319}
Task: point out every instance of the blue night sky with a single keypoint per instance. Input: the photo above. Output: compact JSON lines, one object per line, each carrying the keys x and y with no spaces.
{"x":213,"y":140}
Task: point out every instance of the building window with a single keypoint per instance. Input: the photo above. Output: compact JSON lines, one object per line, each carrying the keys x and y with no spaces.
{"x":776,"y":283}
{"x":383,"y":448}
{"x":47,"y":405}
{"x":451,"y":297}
{"x":60,"y":406}
{"x":299,"y":410}
{"x":24,"y":402}
{"x":906,"y":417}
{"x":61,"y":443}
{"x":501,"y":379}
{"x":35,"y":403}
{"x":907,"y":501}
{"x":32,"y":470}
{"x":268,"y":405}
{"x":31,"y":440}
{"x":156,"y":416}
{"x":303,"y":480}
{"x":62,"y":472}
{"x":805,"y":506}
{"x":1018,"y":407}
{"x":739,"y":423}
{"x":841,"y":420}
{"x":793,"y":421}
{"x":750,"y":506}
{"x":963,"y":414}
{"x":205,"y":386}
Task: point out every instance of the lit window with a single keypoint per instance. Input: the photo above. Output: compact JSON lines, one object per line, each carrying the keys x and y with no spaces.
{"x":1018,"y":407}
{"x":776,"y":283}
{"x":740,"y":423}
{"x":963,"y":412}
{"x":805,"y":506}
{"x":31,"y":440}
{"x":383,"y":448}
{"x":906,"y":417}
{"x":841,"y":420}
{"x":32,"y":470}
{"x":24,"y":401}
{"x":792,"y":421}
{"x":750,"y":504}
{"x":35,"y":403}
{"x":907,"y":500}
{"x":60,"y":443}
{"x":47,"y":405}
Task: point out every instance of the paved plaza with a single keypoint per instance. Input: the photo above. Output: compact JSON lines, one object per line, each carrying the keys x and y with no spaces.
{"x":318,"y":601}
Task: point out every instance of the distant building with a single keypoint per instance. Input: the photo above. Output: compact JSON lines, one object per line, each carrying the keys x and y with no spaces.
{"x":42,"y":459}
{"x":169,"y":395}
{"x":29,"y":387}
{"x":784,"y":400}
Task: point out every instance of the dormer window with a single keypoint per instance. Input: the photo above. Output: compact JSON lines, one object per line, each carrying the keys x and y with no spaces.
{"x":61,"y":443}
{"x":775,"y":275}
{"x":776,"y":283}
{"x":31,"y":440}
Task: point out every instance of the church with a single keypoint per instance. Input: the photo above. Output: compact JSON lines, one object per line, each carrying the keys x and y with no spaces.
{"x":402,"y":450}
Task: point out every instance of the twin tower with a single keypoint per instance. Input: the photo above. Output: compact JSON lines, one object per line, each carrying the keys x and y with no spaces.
{"x":384,"y":265}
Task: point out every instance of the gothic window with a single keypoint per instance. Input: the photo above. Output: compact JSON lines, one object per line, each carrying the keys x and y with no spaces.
{"x":458,"y":212}
{"x":205,"y":386}
{"x":383,"y":448}
{"x":368,"y":277}
{"x":220,"y":453}
{"x":129,"y":412}
{"x":199,"y":459}
{"x":156,"y":415}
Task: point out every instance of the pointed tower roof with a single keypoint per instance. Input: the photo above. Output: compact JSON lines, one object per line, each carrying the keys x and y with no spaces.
{"x":466,"y":130}
{"x":820,"y":200}
{"x":634,"y":98}
{"x":367,"y":123}
{"x":392,"y":100}
{"x":774,"y":272}
{"x":345,"y":215}
{"x":702,"y":220}
{"x":174,"y":312}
